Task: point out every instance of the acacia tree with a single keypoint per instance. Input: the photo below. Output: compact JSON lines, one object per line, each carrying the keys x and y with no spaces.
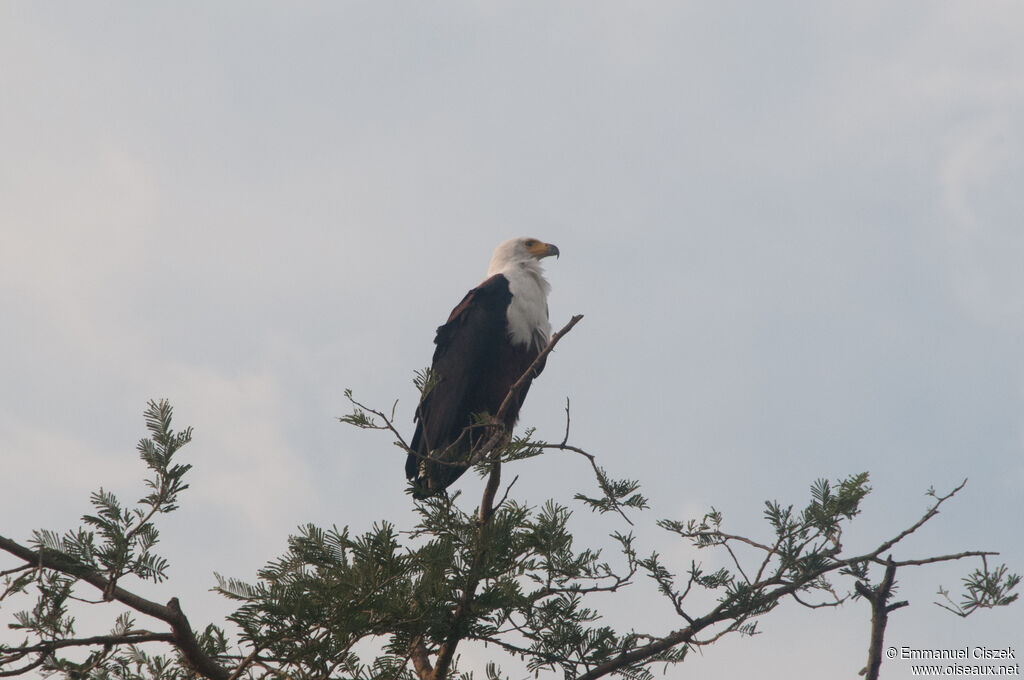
{"x":391,"y":604}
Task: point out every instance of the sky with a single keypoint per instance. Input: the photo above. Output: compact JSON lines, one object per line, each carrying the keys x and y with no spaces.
{"x":793,"y":229}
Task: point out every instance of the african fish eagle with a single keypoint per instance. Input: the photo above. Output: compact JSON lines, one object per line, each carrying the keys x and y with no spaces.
{"x":488,"y":342}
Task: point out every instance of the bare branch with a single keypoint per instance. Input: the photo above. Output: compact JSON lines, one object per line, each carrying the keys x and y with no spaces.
{"x":245,"y":663}
{"x":728,"y":537}
{"x":565,"y":439}
{"x":530,"y":372}
{"x":819,"y":605}
{"x":24,"y":669}
{"x":507,"y":489}
{"x":939,"y":558}
{"x":768,"y":558}
{"x":15,"y":570}
{"x":497,"y":420}
{"x":490,"y":490}
{"x":931,"y":512}
{"x":731,"y":628}
{"x":45,"y":648}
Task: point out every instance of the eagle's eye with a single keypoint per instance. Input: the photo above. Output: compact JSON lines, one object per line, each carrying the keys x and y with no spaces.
{"x":530,"y":243}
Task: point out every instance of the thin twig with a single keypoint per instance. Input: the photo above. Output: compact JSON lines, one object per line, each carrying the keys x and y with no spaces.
{"x":49,"y":646}
{"x":931,"y":512}
{"x":768,"y":558}
{"x":24,"y":669}
{"x":941,"y":558}
{"x":819,"y":605}
{"x":507,"y":489}
{"x":725,"y":537}
{"x":736,"y":562}
{"x":565,"y":439}
{"x":498,"y":419}
{"x":597,"y":473}
{"x":245,"y":662}
{"x":530,"y":372}
{"x":15,"y":570}
{"x":388,"y":422}
{"x":717,"y":636}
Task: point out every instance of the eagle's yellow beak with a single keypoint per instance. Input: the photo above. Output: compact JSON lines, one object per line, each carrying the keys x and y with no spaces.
{"x":540,"y":249}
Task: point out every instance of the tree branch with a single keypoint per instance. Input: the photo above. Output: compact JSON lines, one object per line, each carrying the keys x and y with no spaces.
{"x":420,"y":657}
{"x":593,"y":464}
{"x":491,"y":443}
{"x":878,"y":597}
{"x":939,"y":558}
{"x":15,"y":570}
{"x":490,"y":491}
{"x":931,"y":512}
{"x":388,"y":422}
{"x":45,"y":648}
{"x":240,"y":668}
{"x":530,"y":372}
{"x":24,"y":669}
{"x":641,"y":653}
{"x":446,"y":652}
{"x":183,"y":636}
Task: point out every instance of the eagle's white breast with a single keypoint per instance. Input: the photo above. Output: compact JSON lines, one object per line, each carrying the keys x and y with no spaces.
{"x":528,"y":312}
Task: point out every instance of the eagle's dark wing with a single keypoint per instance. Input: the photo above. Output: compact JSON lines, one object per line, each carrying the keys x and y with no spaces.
{"x":466,"y":357}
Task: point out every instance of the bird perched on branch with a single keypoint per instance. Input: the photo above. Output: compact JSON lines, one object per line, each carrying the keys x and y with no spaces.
{"x":489,"y":341}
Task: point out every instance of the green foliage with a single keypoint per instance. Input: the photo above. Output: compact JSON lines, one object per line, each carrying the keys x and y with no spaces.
{"x":135,"y":663}
{"x":327,"y":592}
{"x":359,"y":416}
{"x":49,"y":618}
{"x":983,"y":589}
{"x":425,"y":380}
{"x":508,"y":576}
{"x":519,"y":448}
{"x":116,"y":541}
{"x":520,"y":572}
{"x":804,"y":548}
{"x":121,"y":540}
{"x":827,"y":508}
{"x":615,"y":494}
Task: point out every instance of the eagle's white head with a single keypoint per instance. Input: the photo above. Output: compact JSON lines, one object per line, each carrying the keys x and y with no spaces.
{"x":523,"y":252}
{"x":518,"y":260}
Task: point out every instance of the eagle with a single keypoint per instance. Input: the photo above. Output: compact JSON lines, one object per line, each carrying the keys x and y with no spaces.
{"x":489,"y":341}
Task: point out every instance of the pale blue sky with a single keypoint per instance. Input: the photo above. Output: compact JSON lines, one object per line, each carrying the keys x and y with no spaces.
{"x":795,"y":232}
